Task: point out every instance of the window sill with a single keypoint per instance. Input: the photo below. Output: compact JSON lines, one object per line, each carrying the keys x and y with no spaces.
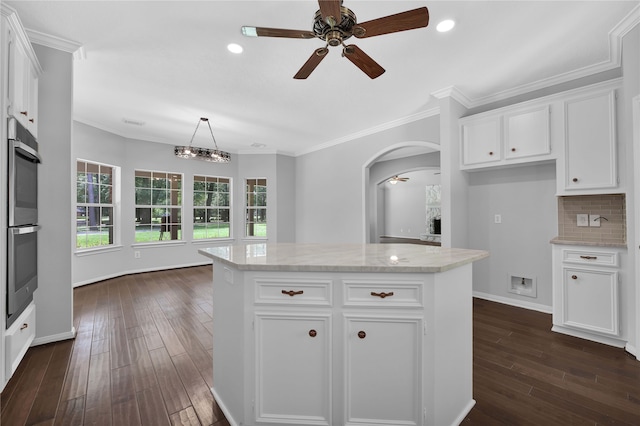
{"x":160,"y":244}
{"x":97,"y":250}
{"x":213,"y":241}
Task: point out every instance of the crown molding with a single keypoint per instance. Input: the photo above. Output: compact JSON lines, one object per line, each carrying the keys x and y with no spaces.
{"x":15,"y":23}
{"x":54,"y":42}
{"x":454,"y":93}
{"x":372,"y":130}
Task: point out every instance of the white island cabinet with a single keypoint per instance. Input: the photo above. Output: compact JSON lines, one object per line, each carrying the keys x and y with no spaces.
{"x":362,"y":334}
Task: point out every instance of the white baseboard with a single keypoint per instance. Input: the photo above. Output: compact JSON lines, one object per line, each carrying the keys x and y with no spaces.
{"x":514,"y":302}
{"x":223,"y":408}
{"x":54,"y":338}
{"x":632,"y":350}
{"x":464,"y":413}
{"x":137,"y":271}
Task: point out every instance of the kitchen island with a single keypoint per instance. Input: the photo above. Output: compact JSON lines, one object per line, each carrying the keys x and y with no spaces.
{"x":342,"y":334}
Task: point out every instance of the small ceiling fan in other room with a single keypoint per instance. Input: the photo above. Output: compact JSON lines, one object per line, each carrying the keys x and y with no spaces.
{"x":395,"y":179}
{"x":334,"y":23}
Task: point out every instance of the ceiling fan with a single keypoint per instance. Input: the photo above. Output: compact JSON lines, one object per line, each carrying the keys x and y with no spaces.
{"x":334,"y":23}
{"x":395,"y":179}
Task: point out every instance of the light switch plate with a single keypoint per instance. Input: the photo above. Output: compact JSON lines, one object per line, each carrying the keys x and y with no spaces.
{"x":594,"y":220}
{"x":582,"y":220}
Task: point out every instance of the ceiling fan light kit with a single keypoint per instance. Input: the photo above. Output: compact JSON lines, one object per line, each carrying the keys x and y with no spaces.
{"x":395,"y":179}
{"x":205,"y":154}
{"x":334,"y":23}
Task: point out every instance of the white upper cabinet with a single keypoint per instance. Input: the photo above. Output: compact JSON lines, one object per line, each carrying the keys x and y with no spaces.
{"x":526,"y":133}
{"x":481,"y":141}
{"x":504,"y":137}
{"x":22,"y":73}
{"x":590,"y":144}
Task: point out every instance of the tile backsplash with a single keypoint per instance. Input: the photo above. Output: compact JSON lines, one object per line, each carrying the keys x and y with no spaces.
{"x":611,"y":207}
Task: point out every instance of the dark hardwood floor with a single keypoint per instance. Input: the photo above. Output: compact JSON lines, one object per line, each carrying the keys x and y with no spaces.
{"x":142,"y":356}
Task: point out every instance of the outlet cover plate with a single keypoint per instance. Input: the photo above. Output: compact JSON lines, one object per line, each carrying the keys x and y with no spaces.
{"x":582,"y":220}
{"x":594,"y":220}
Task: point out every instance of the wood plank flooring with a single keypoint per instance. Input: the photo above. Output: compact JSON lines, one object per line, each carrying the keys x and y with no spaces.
{"x":143,"y":356}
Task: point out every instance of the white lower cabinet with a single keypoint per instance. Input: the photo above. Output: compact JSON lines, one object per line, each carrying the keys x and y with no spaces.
{"x":293,"y":368}
{"x":385,"y":355}
{"x":586,"y":292}
{"x":18,"y":338}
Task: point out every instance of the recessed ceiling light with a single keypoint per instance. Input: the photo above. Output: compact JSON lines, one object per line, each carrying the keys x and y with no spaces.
{"x":446,"y":25}
{"x":234,"y":48}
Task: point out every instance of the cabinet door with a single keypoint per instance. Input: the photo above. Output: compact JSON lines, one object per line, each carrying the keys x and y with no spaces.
{"x":383,"y":371}
{"x":293,"y":369}
{"x":32,"y":101}
{"x":526,"y":133}
{"x":590,"y":147}
{"x":590,"y":300}
{"x":481,"y":141}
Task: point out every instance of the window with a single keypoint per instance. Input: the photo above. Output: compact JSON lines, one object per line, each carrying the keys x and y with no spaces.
{"x":256,"y":208}
{"x":94,"y":204}
{"x":211,"y":207}
{"x":158,"y":206}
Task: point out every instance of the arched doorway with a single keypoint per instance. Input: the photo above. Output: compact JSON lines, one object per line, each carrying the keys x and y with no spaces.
{"x":396,"y":159}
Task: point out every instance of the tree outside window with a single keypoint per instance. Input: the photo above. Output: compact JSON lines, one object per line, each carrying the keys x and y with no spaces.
{"x":211,"y":207}
{"x":158,"y":200}
{"x":256,"y":207}
{"x":94,"y":204}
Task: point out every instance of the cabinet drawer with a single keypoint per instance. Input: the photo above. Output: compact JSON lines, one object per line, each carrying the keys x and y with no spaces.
{"x":18,"y":338}
{"x":293,"y":291}
{"x":590,"y":257}
{"x":397,"y":294}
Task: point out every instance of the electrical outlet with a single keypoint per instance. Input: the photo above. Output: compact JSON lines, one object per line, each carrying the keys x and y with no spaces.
{"x":497,"y":218}
{"x":136,"y":254}
{"x":582,"y":220}
{"x":594,"y":220}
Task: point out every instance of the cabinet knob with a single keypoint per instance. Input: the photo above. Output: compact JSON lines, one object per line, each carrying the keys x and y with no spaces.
{"x":31,"y":120}
{"x":23,"y":112}
{"x":574,"y":277}
{"x":362,"y":334}
{"x":313,"y":333}
{"x":23,"y":326}
{"x":490,"y":152}
{"x":292,"y":292}
{"x":513,"y":150}
{"x":575,"y":179}
{"x":382,"y":295}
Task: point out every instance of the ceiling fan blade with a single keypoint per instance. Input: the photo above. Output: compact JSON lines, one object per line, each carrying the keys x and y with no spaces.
{"x":276,"y":32}
{"x":362,"y":61}
{"x":311,"y":64}
{"x":409,"y":20}
{"x":330,"y":9}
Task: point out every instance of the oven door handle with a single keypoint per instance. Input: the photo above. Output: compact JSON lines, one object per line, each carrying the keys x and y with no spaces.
{"x":27,"y":151}
{"x":21,"y":230}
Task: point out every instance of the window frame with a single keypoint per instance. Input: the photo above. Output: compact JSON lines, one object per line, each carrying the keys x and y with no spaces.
{"x":206,"y":207}
{"x":168,"y":227}
{"x":248,"y":206}
{"x":115,"y":223}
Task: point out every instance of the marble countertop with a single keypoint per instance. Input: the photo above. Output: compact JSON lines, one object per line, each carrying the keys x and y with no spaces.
{"x":342,"y":257}
{"x":568,"y":241}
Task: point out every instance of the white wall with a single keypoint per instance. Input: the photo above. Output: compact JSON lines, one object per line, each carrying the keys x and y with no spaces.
{"x":54,"y":297}
{"x":525,"y":199}
{"x":97,"y":145}
{"x":329,"y":183}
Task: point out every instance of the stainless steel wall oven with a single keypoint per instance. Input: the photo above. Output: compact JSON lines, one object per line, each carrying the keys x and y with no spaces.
{"x":22,"y":236}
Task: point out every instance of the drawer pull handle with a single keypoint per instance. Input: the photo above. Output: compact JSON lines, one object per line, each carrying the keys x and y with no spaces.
{"x":25,"y":325}
{"x":574,"y":277}
{"x":588,"y":257}
{"x":362,"y":334}
{"x":382,"y":295}
{"x":313,"y":333}
{"x":292,"y":292}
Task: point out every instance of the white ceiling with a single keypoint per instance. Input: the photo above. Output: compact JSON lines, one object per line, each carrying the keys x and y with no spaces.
{"x":165,"y":64}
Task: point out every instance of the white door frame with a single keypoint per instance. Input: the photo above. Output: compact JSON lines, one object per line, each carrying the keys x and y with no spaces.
{"x":636,"y":185}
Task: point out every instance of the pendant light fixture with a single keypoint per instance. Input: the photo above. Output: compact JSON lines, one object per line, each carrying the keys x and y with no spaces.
{"x":205,"y":154}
